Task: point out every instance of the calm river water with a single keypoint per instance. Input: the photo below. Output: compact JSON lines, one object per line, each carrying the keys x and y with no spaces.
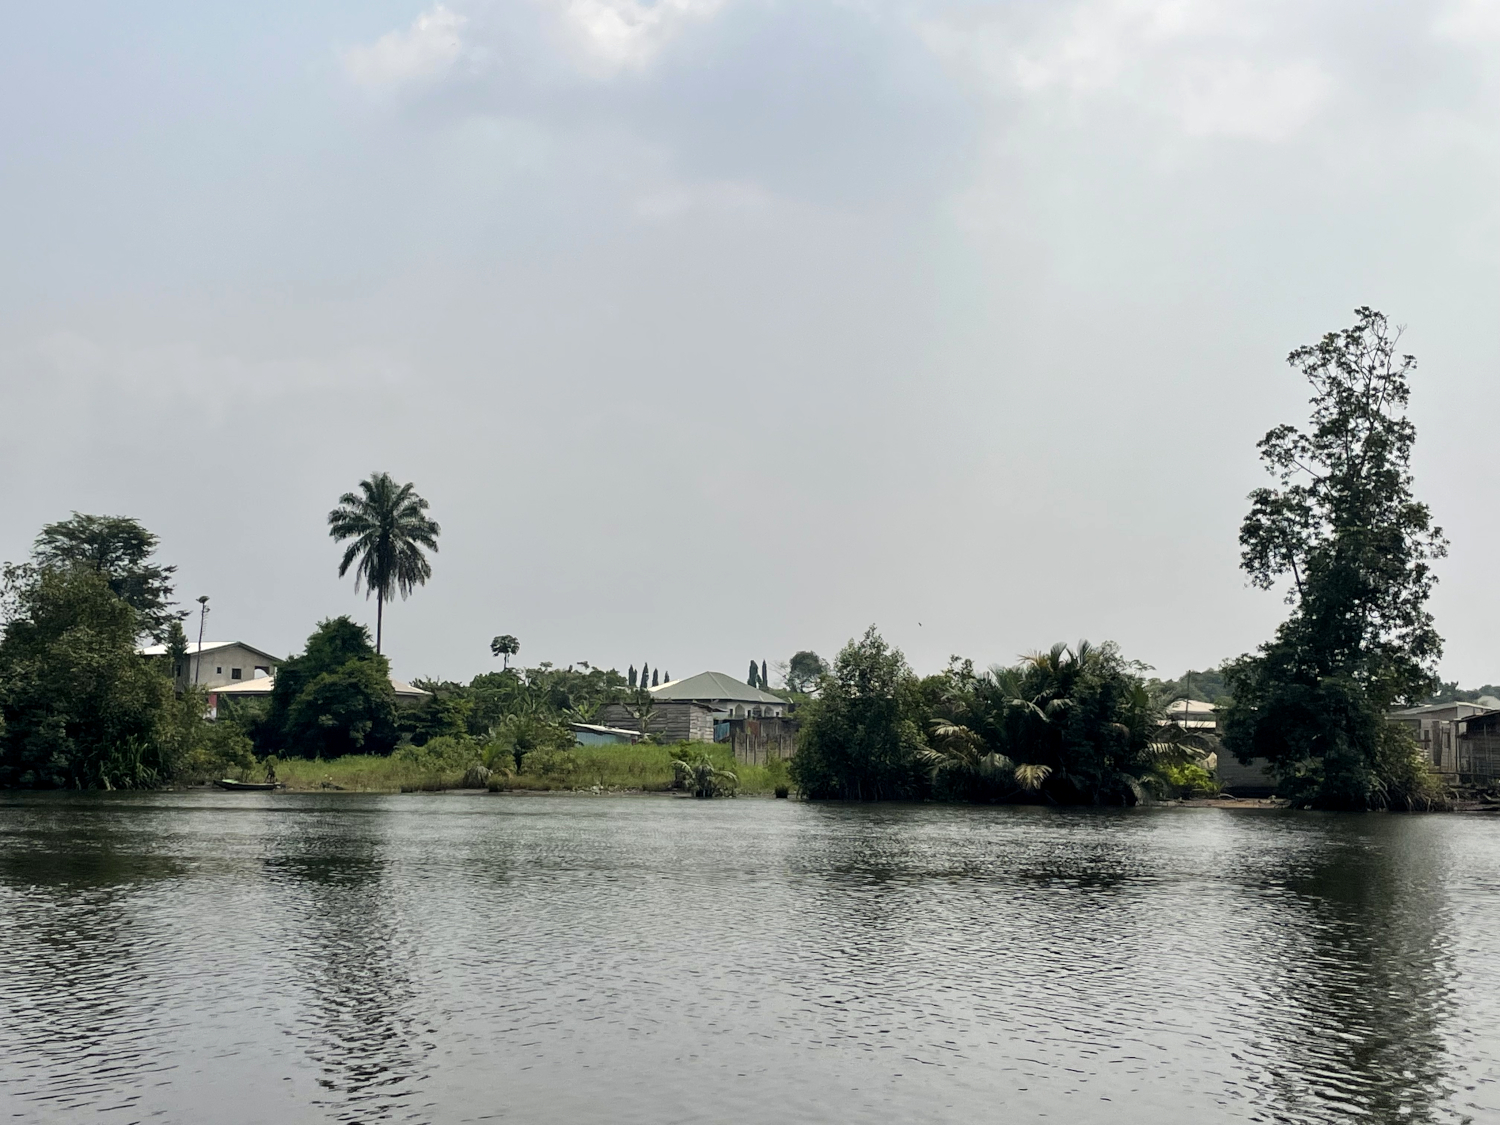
{"x":198,"y":957}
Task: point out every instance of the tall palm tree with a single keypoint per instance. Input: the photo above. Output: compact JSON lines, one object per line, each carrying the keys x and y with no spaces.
{"x":389,"y":528}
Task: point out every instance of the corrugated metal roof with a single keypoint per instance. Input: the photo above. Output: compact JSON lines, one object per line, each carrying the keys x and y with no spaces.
{"x":715,"y":687}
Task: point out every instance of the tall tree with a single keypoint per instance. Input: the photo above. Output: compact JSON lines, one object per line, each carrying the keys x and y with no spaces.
{"x":506,"y":646}
{"x":631,"y":678}
{"x":79,"y":708}
{"x":861,"y":740}
{"x":389,"y":526}
{"x":804,"y":670}
{"x":120,"y":549}
{"x":764,"y":681}
{"x":752,"y":676}
{"x":656,"y":677}
{"x":1343,"y":526}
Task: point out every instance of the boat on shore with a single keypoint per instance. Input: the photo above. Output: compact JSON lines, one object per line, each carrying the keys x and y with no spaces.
{"x":253,"y":786}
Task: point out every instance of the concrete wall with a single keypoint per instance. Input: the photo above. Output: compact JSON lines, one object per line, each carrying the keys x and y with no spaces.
{"x":1244,"y":781}
{"x":218,"y":665}
{"x":757,"y":741}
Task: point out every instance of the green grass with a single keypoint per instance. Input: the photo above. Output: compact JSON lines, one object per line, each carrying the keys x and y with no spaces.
{"x":646,"y":768}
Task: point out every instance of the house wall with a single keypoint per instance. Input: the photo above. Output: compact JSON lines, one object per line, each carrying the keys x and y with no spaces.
{"x":217,"y":665}
{"x":669,"y":722}
{"x":1478,"y":751}
{"x":1244,"y":781}
{"x":757,"y":741}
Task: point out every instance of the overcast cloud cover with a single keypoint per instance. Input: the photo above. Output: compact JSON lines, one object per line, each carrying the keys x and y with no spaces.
{"x":720,"y":328}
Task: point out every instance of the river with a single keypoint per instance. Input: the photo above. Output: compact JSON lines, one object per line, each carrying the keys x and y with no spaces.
{"x":238,"y":958}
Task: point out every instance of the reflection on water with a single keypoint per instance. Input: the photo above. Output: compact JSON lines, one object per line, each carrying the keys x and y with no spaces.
{"x":245,"y":958}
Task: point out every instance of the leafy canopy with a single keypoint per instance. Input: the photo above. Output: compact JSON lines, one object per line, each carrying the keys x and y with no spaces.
{"x":80,"y":708}
{"x":334,"y":699}
{"x":860,"y":739}
{"x":118,"y":548}
{"x":1343,"y":526}
{"x":389,"y":530}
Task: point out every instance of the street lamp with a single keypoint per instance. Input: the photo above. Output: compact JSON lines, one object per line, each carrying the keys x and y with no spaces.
{"x":202,"y":616}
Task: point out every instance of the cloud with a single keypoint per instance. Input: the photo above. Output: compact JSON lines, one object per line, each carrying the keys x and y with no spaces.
{"x":1209,"y":66}
{"x":621,"y":34}
{"x":425,"y":50}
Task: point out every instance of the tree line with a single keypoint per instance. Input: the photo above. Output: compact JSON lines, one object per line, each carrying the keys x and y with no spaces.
{"x":1340,"y":531}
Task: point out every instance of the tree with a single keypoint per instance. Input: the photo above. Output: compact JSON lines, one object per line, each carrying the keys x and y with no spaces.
{"x":335,"y":698}
{"x":655,"y":677}
{"x":764,"y":680}
{"x":631,"y":677}
{"x":177,"y":654}
{"x":752,"y":677}
{"x":644,"y":670}
{"x":1343,"y":525}
{"x":860,"y":740}
{"x":804,"y":670}
{"x":80,"y":708}
{"x":506,"y":646}
{"x":119,"y":549}
{"x":390,"y":529}
{"x":1067,"y":726}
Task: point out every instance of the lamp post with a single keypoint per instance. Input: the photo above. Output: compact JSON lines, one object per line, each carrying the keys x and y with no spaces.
{"x":202,"y":616}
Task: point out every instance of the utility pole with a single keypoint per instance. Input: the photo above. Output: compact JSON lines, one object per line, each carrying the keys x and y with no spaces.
{"x":202,"y":616}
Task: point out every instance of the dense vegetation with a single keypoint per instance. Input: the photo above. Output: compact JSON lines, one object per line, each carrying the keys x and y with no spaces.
{"x":1343,"y":526}
{"x":1068,"y":726}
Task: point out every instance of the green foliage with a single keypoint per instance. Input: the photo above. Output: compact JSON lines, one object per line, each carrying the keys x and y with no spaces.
{"x":803,"y":672}
{"x":334,"y":699}
{"x":700,"y":777}
{"x":80,"y":709}
{"x":1066,"y":726}
{"x":1181,"y":779}
{"x":119,"y":549}
{"x":1344,"y":526}
{"x":177,"y":654}
{"x":505,"y":646}
{"x":389,"y":529}
{"x":1450,"y":692}
{"x":212,"y":749}
{"x":752,"y":677}
{"x":444,"y":713}
{"x":860,"y":739}
{"x":1208,"y":686}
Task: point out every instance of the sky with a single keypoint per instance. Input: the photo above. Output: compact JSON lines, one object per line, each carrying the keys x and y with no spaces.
{"x":720,"y":329}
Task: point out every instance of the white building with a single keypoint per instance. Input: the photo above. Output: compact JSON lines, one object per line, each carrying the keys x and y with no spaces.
{"x":216,"y":663}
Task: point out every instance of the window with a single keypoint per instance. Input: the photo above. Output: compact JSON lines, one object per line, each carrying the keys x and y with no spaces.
{"x":218,"y":670}
{"x":234,"y":673}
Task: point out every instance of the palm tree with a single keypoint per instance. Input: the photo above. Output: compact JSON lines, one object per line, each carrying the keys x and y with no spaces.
{"x":389,"y":529}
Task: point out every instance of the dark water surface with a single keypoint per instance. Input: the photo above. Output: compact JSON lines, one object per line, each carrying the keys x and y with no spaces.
{"x":280,"y":958}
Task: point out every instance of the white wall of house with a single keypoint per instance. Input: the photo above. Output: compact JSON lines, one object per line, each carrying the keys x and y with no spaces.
{"x":231,"y":664}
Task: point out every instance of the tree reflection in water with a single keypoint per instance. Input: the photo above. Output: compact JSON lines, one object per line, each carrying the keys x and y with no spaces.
{"x":351,"y":954}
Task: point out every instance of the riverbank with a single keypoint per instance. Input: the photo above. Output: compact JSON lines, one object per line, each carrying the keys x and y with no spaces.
{"x":638,"y":768}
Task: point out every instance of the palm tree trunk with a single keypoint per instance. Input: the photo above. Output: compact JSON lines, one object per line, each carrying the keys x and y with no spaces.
{"x":379,"y":617}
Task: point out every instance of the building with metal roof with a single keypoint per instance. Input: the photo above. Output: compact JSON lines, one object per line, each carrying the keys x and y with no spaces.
{"x":721,"y":693}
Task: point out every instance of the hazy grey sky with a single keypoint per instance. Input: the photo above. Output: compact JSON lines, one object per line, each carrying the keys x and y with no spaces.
{"x":720,"y":328}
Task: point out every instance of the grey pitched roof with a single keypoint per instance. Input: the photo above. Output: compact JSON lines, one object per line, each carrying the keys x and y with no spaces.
{"x":712,"y":687}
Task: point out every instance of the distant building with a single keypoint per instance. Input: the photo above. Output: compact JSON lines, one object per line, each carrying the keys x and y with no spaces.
{"x":262,"y":687}
{"x":1478,"y":746}
{"x":216,"y":663}
{"x":696,"y":709}
{"x":726,"y":696}
{"x":1437,"y":727}
{"x":1200,"y":718}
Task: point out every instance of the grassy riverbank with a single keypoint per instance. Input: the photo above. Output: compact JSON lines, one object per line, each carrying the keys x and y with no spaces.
{"x":646,"y":768}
